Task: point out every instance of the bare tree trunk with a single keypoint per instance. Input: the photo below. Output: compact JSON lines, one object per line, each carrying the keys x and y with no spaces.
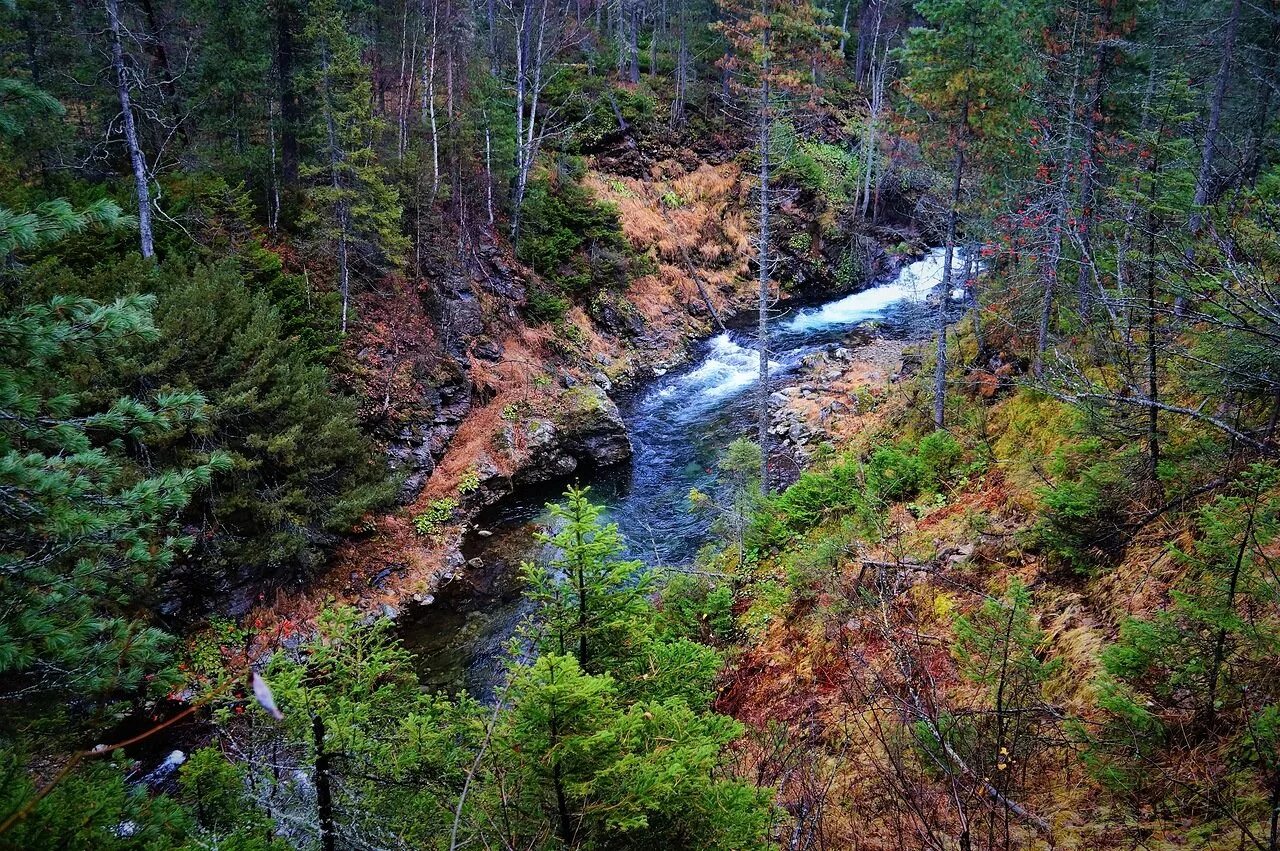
{"x":488,"y":165}
{"x":879,"y":72}
{"x":1253,"y":160}
{"x":1204,"y":179}
{"x":682,"y":70}
{"x":1086,"y":282}
{"x":633,"y":44}
{"x":429,"y":96}
{"x":343,"y":215}
{"x":844,"y":30}
{"x":1053,"y":257}
{"x":940,"y":368}
{"x":762,"y":319}
{"x":136,"y":159}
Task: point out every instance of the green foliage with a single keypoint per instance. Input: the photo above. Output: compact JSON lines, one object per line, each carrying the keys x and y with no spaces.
{"x":395,"y":756}
{"x":605,"y":775}
{"x":970,"y":65}
{"x":830,"y":172}
{"x":89,"y":534}
{"x":769,"y":601}
{"x":470,"y":482}
{"x":1083,"y":518}
{"x":939,"y":454}
{"x":546,"y":308}
{"x":54,"y":220}
{"x":738,"y":497}
{"x":351,"y":207}
{"x":695,"y":607}
{"x":303,"y":470}
{"x":95,"y":808}
{"x":894,"y":473}
{"x":1208,"y":656}
{"x":437,"y":514}
{"x":591,"y":602}
{"x":213,"y":790}
{"x":572,"y":240}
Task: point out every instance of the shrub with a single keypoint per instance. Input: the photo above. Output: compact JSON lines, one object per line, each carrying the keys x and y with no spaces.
{"x":570,"y":238}
{"x":894,"y":474}
{"x":436,"y":515}
{"x":544,"y":307}
{"x":1083,"y":521}
{"x":939,"y":453}
{"x":694,"y":607}
{"x":470,"y":482}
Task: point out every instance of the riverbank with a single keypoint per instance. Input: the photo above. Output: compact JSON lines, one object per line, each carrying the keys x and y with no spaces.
{"x":678,"y":424}
{"x":541,"y":400}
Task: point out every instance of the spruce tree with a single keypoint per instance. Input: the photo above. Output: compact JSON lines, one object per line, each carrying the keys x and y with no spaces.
{"x":591,"y":600}
{"x":351,"y":209}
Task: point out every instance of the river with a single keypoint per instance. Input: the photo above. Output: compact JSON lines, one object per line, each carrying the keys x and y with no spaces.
{"x":678,"y":424}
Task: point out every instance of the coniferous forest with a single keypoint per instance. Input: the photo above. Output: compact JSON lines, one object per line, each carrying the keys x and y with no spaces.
{"x":640,"y":424}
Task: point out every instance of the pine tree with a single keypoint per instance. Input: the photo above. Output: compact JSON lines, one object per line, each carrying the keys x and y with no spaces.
{"x":86,"y":535}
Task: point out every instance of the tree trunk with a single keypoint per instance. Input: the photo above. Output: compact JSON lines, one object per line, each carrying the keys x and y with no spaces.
{"x":1053,"y":256}
{"x":762,"y":319}
{"x":1086,"y":283}
{"x":940,"y":368}
{"x":429,"y":97}
{"x":1210,"y":712}
{"x":324,"y":788}
{"x":633,"y":44}
{"x":290,"y":111}
{"x":136,"y":160}
{"x":341,"y":213}
{"x":682,"y":70}
{"x":1204,"y":178}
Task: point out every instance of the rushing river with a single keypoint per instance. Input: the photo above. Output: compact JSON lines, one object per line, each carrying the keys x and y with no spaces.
{"x":678,"y":424}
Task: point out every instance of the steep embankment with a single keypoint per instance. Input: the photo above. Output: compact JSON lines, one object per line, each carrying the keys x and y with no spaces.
{"x":860,"y":617}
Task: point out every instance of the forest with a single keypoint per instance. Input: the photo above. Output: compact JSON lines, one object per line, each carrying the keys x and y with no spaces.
{"x":640,"y":424}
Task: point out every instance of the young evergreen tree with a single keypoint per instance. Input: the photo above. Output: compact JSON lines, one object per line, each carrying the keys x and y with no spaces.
{"x":351,"y":209}
{"x":590,"y":601}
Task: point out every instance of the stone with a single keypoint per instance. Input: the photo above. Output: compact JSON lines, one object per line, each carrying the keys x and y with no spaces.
{"x":486,"y":349}
{"x":484,"y":533}
{"x":602,"y":381}
{"x":475,"y":563}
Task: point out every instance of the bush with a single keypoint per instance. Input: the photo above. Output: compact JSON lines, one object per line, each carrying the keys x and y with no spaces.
{"x":437,"y":514}
{"x":572,"y":240}
{"x":544,"y":307}
{"x":1083,"y":522}
{"x":694,"y":607}
{"x":894,"y":474}
{"x":807,"y":502}
{"x":939,"y":454}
